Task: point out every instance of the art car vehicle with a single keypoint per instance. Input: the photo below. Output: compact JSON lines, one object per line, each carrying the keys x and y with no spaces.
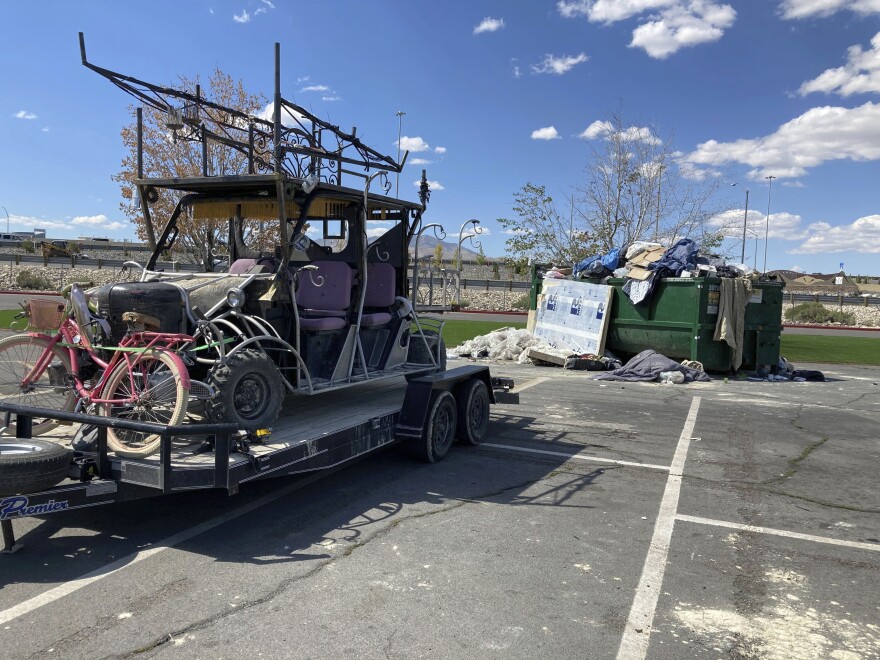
{"x":314,"y":304}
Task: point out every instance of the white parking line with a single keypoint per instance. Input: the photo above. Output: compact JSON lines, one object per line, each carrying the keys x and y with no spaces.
{"x":637,"y":634}
{"x":873,"y":547}
{"x":68,"y":588}
{"x":577,"y":457}
{"x":530,"y":383}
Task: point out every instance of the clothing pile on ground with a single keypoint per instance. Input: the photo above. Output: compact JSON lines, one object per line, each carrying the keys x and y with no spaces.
{"x":650,"y":365}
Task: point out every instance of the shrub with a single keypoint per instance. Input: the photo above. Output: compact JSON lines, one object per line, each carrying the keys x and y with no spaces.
{"x":521,"y":303}
{"x":28,"y":279}
{"x":816,"y":313}
{"x":28,"y":246}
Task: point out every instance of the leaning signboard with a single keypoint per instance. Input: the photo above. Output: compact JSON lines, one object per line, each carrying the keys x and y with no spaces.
{"x":574,"y":315}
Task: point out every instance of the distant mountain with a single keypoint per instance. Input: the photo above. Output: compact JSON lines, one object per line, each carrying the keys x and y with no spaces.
{"x":427,"y":244}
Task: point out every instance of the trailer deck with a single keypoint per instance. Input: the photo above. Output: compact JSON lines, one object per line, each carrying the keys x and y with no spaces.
{"x":312,"y":434}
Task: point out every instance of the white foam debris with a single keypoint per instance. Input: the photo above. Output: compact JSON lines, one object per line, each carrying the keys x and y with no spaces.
{"x":506,"y":344}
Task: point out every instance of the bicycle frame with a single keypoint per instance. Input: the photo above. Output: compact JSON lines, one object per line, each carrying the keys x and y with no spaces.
{"x":71,"y":337}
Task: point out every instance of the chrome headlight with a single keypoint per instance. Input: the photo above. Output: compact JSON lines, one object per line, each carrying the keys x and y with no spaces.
{"x":235,"y":298}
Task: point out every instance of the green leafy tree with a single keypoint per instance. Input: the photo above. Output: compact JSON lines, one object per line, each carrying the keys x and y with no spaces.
{"x":541,"y":233}
{"x":437,"y":259}
{"x":481,"y":257}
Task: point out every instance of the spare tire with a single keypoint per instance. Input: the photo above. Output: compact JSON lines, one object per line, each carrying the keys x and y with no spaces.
{"x":27,"y":466}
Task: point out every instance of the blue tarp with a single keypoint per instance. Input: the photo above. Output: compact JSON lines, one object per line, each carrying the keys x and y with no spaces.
{"x":609,"y":261}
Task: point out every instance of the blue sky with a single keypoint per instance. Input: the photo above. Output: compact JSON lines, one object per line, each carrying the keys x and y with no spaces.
{"x":496,"y":94}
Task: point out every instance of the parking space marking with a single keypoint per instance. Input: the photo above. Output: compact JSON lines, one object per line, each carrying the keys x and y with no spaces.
{"x":530,"y":383}
{"x":637,"y":634}
{"x":578,"y":457}
{"x":873,"y":547}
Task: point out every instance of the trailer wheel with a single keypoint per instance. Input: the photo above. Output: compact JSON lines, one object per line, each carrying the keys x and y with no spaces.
{"x":473,"y":412}
{"x":27,"y":466}
{"x":249,"y":391}
{"x":439,"y":429}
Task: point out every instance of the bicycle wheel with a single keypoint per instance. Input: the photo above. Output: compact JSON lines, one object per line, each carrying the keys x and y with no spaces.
{"x":53,"y":388}
{"x":156,"y":386}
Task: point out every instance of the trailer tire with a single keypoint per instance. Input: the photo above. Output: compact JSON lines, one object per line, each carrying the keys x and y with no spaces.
{"x":27,"y":466}
{"x":249,"y":391}
{"x":473,"y":412}
{"x":439,"y":430}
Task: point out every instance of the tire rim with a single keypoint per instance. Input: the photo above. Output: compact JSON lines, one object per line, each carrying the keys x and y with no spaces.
{"x":15,"y":448}
{"x":251,"y":396}
{"x":477,"y":413}
{"x":442,"y":429}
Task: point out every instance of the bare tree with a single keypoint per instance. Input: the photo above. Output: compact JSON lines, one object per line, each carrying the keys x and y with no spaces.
{"x":166,"y":156}
{"x":635,"y":189}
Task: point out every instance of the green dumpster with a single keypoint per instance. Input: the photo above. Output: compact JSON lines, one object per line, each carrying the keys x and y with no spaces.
{"x":679,"y":321}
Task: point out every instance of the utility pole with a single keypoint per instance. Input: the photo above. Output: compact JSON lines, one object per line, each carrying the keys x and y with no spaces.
{"x":745,"y":224}
{"x":767,"y":229}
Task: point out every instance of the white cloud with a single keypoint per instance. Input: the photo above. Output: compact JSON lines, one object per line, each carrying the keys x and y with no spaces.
{"x":605,"y":129}
{"x":793,"y":184}
{"x":439,"y":150}
{"x":862,"y":235}
{"x":268,"y":3}
{"x":331,"y":98}
{"x":376,"y":232}
{"x":669,"y":25}
{"x":793,"y":9}
{"x":24,"y":114}
{"x":546,"y":133}
{"x":243,"y":17}
{"x":98,"y":221}
{"x":558,"y":65}
{"x":315,"y":88}
{"x":784,"y":226}
{"x":820,"y":134}
{"x":287,"y":117}
{"x":516,"y":72}
{"x":797,"y":269}
{"x":45,"y":129}
{"x":860,"y":74}
{"x":682,"y":26}
{"x":413,"y":144}
{"x":420,"y":161}
{"x":489,"y":25}
{"x":433,"y":185}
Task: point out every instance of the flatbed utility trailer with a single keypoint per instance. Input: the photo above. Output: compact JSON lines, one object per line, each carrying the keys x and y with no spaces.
{"x":313,"y":434}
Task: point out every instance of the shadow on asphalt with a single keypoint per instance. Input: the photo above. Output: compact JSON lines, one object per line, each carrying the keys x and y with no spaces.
{"x":346,"y":506}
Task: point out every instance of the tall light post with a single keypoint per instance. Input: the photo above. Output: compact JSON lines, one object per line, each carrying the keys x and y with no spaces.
{"x":742,"y":259}
{"x":7,"y":218}
{"x":767,"y":229}
{"x":657,"y":221}
{"x":399,"y":115}
{"x":477,"y":230}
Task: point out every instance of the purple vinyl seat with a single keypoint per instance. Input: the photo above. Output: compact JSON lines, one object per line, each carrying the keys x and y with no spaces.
{"x":380,"y":293}
{"x":242,"y":266}
{"x":323,"y":307}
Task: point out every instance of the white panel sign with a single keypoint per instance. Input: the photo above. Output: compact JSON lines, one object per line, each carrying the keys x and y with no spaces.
{"x":573,"y":315}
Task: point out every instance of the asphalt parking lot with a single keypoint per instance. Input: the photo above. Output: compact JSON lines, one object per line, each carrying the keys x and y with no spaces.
{"x":600,"y":520}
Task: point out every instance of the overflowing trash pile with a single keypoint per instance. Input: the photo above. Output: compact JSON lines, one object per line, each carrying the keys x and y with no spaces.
{"x":644,"y":264}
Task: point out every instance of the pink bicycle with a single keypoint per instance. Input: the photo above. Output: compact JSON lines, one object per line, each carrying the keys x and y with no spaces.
{"x":143,"y":379}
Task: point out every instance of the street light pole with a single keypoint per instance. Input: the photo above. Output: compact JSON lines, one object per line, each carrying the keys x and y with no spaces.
{"x":7,"y":218}
{"x":477,"y":230}
{"x":767,"y":228}
{"x":745,"y":224}
{"x":399,"y":115}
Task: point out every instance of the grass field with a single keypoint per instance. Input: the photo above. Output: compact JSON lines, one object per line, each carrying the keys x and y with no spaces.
{"x":831,"y":350}
{"x":455,"y":332}
{"x":795,"y":348}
